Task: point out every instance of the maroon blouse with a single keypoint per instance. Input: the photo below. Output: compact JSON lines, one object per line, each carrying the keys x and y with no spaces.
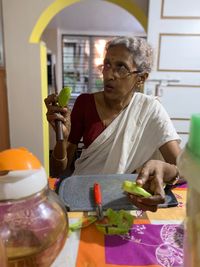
{"x":85,"y":121}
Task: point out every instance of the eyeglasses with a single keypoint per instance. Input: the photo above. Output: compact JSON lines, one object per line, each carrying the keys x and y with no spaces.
{"x":120,"y":72}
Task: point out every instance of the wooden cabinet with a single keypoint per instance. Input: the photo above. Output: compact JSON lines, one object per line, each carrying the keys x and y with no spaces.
{"x":4,"y":125}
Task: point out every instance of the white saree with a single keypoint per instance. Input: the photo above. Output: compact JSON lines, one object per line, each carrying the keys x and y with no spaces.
{"x":130,"y":140}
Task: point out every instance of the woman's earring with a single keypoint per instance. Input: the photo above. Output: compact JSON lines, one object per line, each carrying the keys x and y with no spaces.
{"x":139,"y":83}
{"x":139,"y":86}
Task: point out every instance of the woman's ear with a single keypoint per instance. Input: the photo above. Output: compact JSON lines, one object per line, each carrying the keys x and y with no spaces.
{"x":140,"y":81}
{"x":144,"y":76}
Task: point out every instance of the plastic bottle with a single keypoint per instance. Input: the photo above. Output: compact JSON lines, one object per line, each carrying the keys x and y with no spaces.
{"x":189,"y":166}
{"x":33,"y":223}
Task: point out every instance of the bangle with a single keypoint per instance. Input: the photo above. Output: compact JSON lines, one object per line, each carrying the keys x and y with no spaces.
{"x":60,"y":160}
{"x":176,"y":178}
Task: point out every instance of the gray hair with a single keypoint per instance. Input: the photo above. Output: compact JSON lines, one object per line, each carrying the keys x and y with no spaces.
{"x":141,"y":51}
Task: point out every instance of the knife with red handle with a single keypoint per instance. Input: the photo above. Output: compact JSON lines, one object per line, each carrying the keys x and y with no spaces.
{"x":98,"y":201}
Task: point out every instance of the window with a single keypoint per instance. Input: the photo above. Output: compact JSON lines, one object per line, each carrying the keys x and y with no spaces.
{"x":81,"y":57}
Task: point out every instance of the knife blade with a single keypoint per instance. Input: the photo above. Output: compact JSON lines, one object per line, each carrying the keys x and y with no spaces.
{"x":98,"y":201}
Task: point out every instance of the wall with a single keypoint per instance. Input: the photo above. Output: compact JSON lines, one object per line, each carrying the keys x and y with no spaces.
{"x":174,"y":33}
{"x":83,"y":16}
{"x":23,"y":74}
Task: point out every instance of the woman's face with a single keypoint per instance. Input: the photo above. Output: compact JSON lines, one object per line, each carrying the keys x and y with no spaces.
{"x":119,"y":81}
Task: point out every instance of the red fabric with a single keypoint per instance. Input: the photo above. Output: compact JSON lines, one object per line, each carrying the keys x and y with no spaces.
{"x":85,"y":121}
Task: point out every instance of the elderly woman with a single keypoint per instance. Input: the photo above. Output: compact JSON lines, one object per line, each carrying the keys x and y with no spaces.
{"x":121,"y":128}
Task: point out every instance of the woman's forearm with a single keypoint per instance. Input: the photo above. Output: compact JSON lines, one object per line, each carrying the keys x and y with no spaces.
{"x":58,"y":161}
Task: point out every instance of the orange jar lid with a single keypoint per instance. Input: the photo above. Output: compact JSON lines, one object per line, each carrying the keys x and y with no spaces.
{"x":18,"y":159}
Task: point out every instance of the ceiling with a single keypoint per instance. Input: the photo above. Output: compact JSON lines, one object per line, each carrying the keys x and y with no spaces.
{"x":99,"y":17}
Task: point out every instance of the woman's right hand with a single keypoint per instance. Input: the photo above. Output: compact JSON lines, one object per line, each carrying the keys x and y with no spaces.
{"x":54,"y":112}
{"x":152,"y":176}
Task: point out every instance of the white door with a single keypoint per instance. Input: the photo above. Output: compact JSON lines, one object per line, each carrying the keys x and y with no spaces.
{"x":174,"y":33}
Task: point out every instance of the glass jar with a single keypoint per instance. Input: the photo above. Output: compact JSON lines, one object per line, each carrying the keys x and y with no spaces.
{"x":33,"y":229}
{"x":3,"y":258}
{"x":33,"y":222}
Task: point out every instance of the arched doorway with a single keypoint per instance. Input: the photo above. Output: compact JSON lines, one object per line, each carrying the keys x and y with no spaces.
{"x":35,"y":36}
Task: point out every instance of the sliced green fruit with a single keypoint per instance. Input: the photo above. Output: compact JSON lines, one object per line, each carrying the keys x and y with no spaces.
{"x":64,"y":96}
{"x":114,"y":223}
{"x":118,"y":222}
{"x":82,"y":223}
{"x":111,"y":230}
{"x":133,"y":188}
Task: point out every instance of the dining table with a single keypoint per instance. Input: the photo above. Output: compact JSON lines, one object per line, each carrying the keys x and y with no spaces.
{"x":155,"y":239}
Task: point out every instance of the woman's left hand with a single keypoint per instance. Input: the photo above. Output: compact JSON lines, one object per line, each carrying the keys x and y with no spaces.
{"x":151,"y":178}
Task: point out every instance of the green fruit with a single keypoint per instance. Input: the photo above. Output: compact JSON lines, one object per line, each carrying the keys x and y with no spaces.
{"x":82,"y":223}
{"x":133,"y":188}
{"x":112,"y":230}
{"x":64,"y":96}
{"x":116,"y":223}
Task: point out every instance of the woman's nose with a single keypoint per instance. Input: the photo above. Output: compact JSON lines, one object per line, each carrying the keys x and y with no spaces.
{"x":109,"y":74}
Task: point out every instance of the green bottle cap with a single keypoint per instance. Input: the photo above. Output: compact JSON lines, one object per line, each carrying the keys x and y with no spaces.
{"x":194,"y":137}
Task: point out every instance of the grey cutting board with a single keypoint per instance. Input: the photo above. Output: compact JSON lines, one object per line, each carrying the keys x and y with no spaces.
{"x":77,"y":192}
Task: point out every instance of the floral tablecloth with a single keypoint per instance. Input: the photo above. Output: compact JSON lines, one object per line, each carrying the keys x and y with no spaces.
{"x":155,"y":240}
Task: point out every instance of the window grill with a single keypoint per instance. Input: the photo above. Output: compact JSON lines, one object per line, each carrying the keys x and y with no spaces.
{"x":81,"y":56}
